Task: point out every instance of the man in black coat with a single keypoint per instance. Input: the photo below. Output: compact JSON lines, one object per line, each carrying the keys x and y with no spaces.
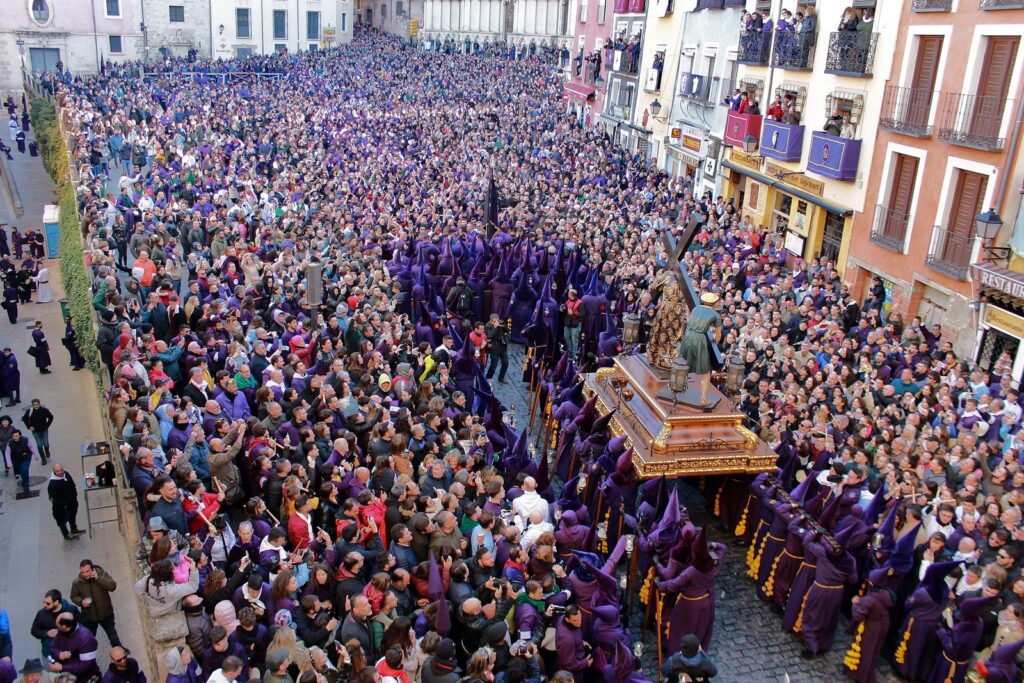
{"x":63,"y":495}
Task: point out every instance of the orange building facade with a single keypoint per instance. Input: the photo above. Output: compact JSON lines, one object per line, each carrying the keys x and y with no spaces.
{"x":944,"y":153}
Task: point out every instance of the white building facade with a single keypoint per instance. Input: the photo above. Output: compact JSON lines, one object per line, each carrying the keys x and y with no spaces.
{"x":36,"y":35}
{"x":519,"y":22}
{"x":246,"y":27}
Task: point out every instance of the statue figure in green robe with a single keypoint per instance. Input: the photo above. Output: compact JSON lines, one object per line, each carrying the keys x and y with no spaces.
{"x":695,"y":347}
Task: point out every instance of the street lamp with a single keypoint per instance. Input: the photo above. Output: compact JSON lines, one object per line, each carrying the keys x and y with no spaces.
{"x":734,"y":378}
{"x":987,"y":226}
{"x":749,"y":143}
{"x":678,"y":377}
{"x":221,"y":29}
{"x":655,"y":107}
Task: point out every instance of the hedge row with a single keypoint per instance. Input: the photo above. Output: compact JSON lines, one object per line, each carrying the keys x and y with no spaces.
{"x":77,"y":282}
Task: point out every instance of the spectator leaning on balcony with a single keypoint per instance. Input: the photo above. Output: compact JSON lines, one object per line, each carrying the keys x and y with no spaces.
{"x":849,"y":21}
{"x":834,"y":123}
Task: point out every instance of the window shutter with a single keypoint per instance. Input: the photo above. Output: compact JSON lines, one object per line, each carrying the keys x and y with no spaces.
{"x":970,"y":190}
{"x":903,"y":178}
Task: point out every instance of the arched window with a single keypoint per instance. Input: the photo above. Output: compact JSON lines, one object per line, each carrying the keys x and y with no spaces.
{"x":41,"y":11}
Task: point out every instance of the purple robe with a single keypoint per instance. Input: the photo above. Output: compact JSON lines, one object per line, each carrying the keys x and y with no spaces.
{"x":915,"y":649}
{"x":822,"y":602}
{"x":787,"y":564}
{"x":694,"y":609}
{"x":957,"y":648}
{"x":570,"y":654}
{"x":870,"y":625}
{"x":773,"y":544}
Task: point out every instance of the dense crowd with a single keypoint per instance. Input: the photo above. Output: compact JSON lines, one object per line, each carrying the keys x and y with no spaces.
{"x":330,"y":488}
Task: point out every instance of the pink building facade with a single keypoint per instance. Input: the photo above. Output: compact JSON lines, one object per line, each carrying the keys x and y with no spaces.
{"x":588,"y":69}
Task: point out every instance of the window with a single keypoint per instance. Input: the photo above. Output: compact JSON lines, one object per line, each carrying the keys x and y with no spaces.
{"x":243,"y":52}
{"x":313,"y":25}
{"x":383,"y":12}
{"x":313,"y":47}
{"x":280,"y":24}
{"x":892,"y":220}
{"x":344,"y":21}
{"x":280,"y":47}
{"x":40,"y":11}
{"x":177,"y":13}
{"x":583,"y":11}
{"x":399,"y":9}
{"x":242,"y":27}
{"x":115,"y":45}
{"x":113,"y":8}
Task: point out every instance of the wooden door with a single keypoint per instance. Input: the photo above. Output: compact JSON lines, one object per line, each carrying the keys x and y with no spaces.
{"x":967,"y":199}
{"x":922,"y":84}
{"x":990,"y":100}
{"x":902,"y":192}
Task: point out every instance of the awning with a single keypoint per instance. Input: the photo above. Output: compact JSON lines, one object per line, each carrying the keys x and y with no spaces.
{"x":831,"y":207}
{"x":578,"y":91}
{"x":1000,"y":280}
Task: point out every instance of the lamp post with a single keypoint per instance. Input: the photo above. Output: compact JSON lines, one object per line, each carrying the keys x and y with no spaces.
{"x":987,"y":226}
{"x":734,"y":377}
{"x":749,"y":143}
{"x":655,"y":109}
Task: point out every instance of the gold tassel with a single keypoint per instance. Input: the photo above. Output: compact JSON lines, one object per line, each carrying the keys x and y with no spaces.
{"x":718,"y":501}
{"x":769,"y":584}
{"x":741,"y":527}
{"x":799,"y":625}
{"x":645,"y":589}
{"x":852,"y":658}
{"x":752,"y":551}
{"x":901,"y":651}
{"x":756,"y":568}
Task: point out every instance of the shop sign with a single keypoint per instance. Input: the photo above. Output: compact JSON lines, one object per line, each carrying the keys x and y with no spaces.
{"x":1004,"y":321}
{"x":750,"y":161}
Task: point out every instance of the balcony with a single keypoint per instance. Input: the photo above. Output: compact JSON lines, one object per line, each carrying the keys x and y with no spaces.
{"x":620,"y":111}
{"x":754,"y":48}
{"x":833,"y":157}
{"x":950,"y":253}
{"x":890,"y":229}
{"x":696,"y":88}
{"x":624,"y":62}
{"x":782,"y":141}
{"x":738,"y":126}
{"x":1001,"y":4}
{"x":851,"y":53}
{"x":932,"y":5}
{"x":973,"y":121}
{"x":793,"y":51}
{"x":905,"y":110}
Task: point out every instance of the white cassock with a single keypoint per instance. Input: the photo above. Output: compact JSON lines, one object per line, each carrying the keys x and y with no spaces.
{"x":44,"y":295}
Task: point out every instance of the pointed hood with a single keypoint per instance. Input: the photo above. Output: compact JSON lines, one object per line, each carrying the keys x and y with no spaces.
{"x":883,"y":577}
{"x":705,"y":555}
{"x":568,"y":377}
{"x":570,"y":497}
{"x":887,"y":531}
{"x":443,"y":621}
{"x":1006,"y":653}
{"x":971,"y":608}
{"x":902,"y":557}
{"x":875,"y":507}
{"x":846,"y":536}
{"x":601,"y":424}
{"x":827,"y":518}
{"x":585,"y":418}
{"x":446,"y":263}
{"x":805,"y":490}
{"x":934,"y":580}
{"x":668,"y":528}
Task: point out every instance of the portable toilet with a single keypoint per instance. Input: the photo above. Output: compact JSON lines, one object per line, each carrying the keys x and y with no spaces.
{"x":51,"y":226}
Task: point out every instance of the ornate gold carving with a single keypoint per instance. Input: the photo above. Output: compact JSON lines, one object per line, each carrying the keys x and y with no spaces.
{"x":605,"y":372}
{"x":750,"y":436}
{"x":661,"y":441}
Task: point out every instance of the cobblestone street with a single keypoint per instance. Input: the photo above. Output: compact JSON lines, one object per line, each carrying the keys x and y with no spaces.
{"x":749,"y":644}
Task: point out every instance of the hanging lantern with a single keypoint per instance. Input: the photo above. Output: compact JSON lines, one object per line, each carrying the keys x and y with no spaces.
{"x":679,"y":375}
{"x":630,"y":328}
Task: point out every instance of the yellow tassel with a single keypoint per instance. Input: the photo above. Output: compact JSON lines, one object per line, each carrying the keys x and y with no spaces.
{"x":756,"y":568}
{"x":901,"y":651}
{"x":718,"y":501}
{"x":852,"y":658}
{"x":799,"y":625}
{"x":702,"y":483}
{"x":769,"y":584}
{"x":752,"y":551}
{"x":645,"y":589}
{"x":741,"y":527}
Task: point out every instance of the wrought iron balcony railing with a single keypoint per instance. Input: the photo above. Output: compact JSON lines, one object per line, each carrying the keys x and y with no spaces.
{"x":950,"y":253}
{"x":890,"y":228}
{"x":974,"y":121}
{"x":754,"y":47}
{"x":851,"y":53}
{"x":905,"y":110}
{"x":932,"y":5}
{"x":793,"y":51}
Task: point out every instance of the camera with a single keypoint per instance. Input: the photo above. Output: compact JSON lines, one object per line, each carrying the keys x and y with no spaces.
{"x":557,"y":609}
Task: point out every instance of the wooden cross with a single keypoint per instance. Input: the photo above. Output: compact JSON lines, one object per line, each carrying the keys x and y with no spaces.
{"x":675,"y":250}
